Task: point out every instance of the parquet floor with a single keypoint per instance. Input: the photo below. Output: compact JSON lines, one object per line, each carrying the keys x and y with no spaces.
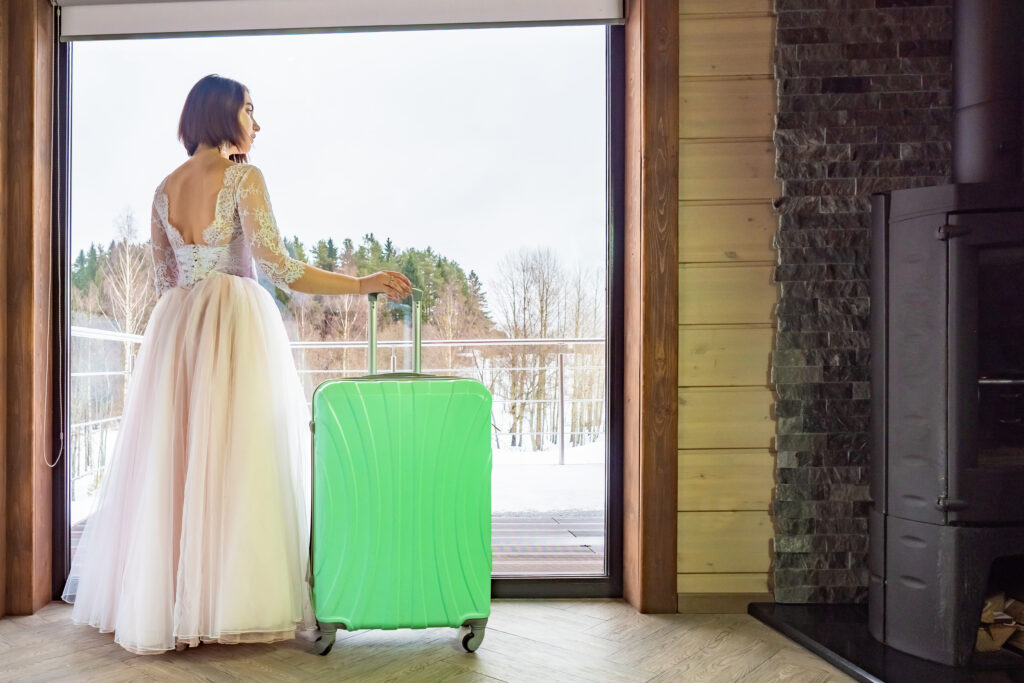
{"x":527,"y":640}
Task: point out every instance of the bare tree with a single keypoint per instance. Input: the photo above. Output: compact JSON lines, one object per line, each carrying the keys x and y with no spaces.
{"x":127,"y":283}
{"x":352,"y":310}
{"x":451,"y":316}
{"x":585,"y":318}
{"x":529,"y":301}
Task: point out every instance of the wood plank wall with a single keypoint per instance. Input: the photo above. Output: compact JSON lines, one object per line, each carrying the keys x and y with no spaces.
{"x":727,"y":101}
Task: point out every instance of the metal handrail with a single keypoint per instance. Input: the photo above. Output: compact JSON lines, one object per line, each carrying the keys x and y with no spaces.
{"x":559,"y":368}
{"x":99,"y":374}
{"x":446,"y":343}
{"x":465,"y":368}
{"x":113,"y":335}
{"x":107,"y":335}
{"x":95,"y":422}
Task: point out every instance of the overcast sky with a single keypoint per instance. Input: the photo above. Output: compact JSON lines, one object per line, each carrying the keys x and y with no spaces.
{"x":472,"y":141}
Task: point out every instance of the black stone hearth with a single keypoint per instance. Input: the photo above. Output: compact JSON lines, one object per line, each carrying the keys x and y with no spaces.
{"x":839,"y":635}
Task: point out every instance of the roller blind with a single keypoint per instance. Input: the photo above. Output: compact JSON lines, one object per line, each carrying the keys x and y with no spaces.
{"x":107,"y":19}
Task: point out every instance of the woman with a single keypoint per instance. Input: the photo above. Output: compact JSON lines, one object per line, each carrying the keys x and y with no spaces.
{"x":200,"y":530}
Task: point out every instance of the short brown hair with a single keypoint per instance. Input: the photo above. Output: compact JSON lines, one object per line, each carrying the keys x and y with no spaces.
{"x":210,"y":114}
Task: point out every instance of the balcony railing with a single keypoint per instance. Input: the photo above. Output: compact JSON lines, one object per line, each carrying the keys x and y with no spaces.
{"x":572,"y":554}
{"x":558,"y":435}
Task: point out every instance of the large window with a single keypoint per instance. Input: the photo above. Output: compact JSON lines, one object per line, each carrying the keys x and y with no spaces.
{"x":474,"y":160}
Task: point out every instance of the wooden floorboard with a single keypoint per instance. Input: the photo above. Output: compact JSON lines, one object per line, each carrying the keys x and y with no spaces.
{"x":527,"y":640}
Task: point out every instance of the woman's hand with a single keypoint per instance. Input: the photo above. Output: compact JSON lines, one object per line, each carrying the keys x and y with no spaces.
{"x":395,"y":285}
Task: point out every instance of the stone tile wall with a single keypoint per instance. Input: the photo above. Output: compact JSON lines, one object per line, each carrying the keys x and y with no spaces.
{"x":864,"y":107}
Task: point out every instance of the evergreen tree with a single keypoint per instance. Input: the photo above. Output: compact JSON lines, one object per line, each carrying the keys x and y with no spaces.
{"x":296,"y":249}
{"x":323,"y":257}
{"x":348,"y":257}
{"x":370,"y":255}
{"x":477,"y":297}
{"x":79,"y":275}
{"x":92,"y":264}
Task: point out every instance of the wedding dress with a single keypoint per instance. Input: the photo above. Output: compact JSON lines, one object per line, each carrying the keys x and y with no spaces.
{"x":200,"y":529}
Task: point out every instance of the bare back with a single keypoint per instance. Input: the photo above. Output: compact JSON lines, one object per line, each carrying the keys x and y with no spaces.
{"x":192,"y":190}
{"x":215,"y":216}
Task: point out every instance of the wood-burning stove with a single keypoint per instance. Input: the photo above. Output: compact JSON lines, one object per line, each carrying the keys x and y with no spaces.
{"x":948,"y":360}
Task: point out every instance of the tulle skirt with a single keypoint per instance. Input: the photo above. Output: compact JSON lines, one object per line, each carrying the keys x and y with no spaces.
{"x":200,"y":529}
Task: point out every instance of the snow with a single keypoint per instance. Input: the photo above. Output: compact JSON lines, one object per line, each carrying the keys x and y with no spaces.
{"x":522,"y":481}
{"x":81,"y":500}
{"x":525,"y":482}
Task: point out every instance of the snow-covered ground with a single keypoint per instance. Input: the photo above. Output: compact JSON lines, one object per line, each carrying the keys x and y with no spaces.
{"x":522,"y":482}
{"x":82,"y":500}
{"x":81,"y":503}
{"x":530,"y":482}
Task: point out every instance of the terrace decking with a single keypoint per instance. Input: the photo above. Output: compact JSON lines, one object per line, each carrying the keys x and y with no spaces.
{"x":534,"y":544}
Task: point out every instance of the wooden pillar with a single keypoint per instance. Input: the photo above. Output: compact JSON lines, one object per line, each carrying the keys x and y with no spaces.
{"x":651,"y":306}
{"x":26,"y":84}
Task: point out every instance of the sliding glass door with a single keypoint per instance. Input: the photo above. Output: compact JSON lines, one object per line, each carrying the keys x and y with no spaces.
{"x":484,"y":163}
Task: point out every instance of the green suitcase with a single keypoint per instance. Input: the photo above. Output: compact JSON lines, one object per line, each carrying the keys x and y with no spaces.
{"x":400,"y":534}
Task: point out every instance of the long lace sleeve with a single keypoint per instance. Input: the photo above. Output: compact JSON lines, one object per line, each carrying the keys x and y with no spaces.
{"x":165,"y":265}
{"x":260,"y":229}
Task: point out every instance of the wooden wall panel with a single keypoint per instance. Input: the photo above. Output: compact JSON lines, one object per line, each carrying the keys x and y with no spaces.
{"x":716,"y":233}
{"x":753,"y":582}
{"x":743,"y":108}
{"x":721,"y":480}
{"x":727,"y":170}
{"x":727,"y":102}
{"x":726,"y":417}
{"x":724,"y":356}
{"x":726,"y":46}
{"x":724,"y":542}
{"x":726,"y":294}
{"x":718,"y":7}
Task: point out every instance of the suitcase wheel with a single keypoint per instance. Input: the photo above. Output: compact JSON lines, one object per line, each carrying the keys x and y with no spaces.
{"x":323,"y":644}
{"x":325,"y":641}
{"x":471,"y":635}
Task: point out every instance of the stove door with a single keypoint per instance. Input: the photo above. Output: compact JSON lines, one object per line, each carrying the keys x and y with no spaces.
{"x":985,"y":367}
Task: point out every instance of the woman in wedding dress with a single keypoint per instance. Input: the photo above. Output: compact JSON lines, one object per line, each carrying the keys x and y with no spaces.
{"x":200,"y":529}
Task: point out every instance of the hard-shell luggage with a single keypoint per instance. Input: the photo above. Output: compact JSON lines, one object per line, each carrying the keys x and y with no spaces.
{"x":401,"y":505}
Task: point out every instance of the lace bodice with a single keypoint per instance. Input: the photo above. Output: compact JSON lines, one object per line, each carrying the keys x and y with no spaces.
{"x":243,"y":230}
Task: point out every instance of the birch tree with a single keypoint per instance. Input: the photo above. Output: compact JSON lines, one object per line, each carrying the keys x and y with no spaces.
{"x":127,"y":284}
{"x":528,"y":302}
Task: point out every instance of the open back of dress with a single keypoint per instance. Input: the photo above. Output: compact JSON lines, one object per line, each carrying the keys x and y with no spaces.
{"x":243,"y":230}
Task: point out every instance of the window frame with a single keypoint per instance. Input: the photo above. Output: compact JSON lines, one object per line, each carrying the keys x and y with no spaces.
{"x":609,"y":585}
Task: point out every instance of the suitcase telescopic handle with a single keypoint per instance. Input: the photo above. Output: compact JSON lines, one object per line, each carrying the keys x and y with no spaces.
{"x":417,"y":301}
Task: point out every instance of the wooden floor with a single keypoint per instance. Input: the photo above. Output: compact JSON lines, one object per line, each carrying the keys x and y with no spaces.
{"x":527,"y":640}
